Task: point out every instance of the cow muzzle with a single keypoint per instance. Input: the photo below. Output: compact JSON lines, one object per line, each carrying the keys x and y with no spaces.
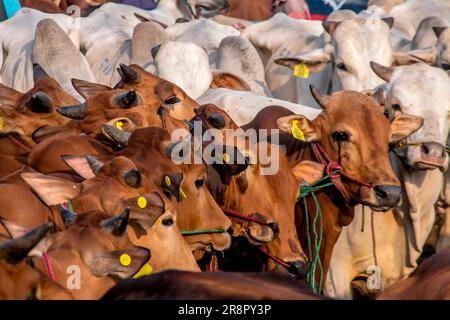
{"x":387,"y":196}
{"x":433,"y":155}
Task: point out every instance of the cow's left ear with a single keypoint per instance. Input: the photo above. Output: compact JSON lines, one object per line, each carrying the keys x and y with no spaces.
{"x":229,"y":81}
{"x":121,"y":264}
{"x":299,"y":127}
{"x":402,"y":126}
{"x":316,"y":60}
{"x":308,"y":172}
{"x":86,"y":88}
{"x":80,"y":165}
{"x":427,"y":56}
{"x":51,"y":190}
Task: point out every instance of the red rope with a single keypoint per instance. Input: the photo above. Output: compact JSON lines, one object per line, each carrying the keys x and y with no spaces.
{"x":244,"y":217}
{"x":48,"y":265}
{"x":19,"y":143}
{"x":271,"y":256}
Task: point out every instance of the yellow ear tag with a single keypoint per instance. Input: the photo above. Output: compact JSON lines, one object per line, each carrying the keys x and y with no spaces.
{"x":158,"y":221}
{"x":167,"y":181}
{"x":146,"y":270}
{"x":1,"y":123}
{"x":226,"y":158}
{"x":119,"y":125}
{"x":182,"y":194}
{"x":296,"y":132}
{"x":301,"y":70}
{"x":142,"y":202}
{"x":125,"y":260}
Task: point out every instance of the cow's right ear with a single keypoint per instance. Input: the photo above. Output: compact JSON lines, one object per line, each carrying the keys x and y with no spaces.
{"x":80,"y":165}
{"x":229,"y":81}
{"x":427,"y":56}
{"x":86,"y":88}
{"x":308,"y":172}
{"x":404,"y":125}
{"x":316,"y":60}
{"x":299,"y":127}
{"x":51,"y":190}
{"x":8,"y":96}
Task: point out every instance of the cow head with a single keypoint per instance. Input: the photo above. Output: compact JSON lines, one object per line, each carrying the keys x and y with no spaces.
{"x":26,"y":113}
{"x":96,"y":250}
{"x":443,"y":47}
{"x":354,"y":132}
{"x":171,"y":97}
{"x":419,"y":90}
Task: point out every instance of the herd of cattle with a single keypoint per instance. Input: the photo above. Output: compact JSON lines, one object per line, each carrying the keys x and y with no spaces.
{"x":92,"y":203}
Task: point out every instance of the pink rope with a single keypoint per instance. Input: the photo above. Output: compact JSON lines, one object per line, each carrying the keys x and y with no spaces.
{"x":48,"y":265}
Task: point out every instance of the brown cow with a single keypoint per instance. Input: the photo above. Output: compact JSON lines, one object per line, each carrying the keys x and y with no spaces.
{"x":88,"y":257}
{"x":430,"y":281}
{"x":19,"y":280}
{"x":354,"y":133}
{"x":176,"y":285}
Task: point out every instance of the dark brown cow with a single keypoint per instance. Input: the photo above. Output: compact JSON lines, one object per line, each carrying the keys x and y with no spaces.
{"x":354,"y":133}
{"x":430,"y":281}
{"x":19,"y":280}
{"x":175,"y":285}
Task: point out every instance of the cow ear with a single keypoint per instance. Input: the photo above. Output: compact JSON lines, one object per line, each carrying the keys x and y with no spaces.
{"x":228,"y":80}
{"x":316,"y":60}
{"x":120,"y":264}
{"x":299,"y":127}
{"x":86,"y":88}
{"x":51,"y":190}
{"x":8,"y":96}
{"x":80,"y":165}
{"x":438,"y":31}
{"x":144,"y":211}
{"x":308,"y":172}
{"x":427,"y":56}
{"x":402,"y":126}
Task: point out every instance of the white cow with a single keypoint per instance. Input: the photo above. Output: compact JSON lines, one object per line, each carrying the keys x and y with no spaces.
{"x":394,"y":240}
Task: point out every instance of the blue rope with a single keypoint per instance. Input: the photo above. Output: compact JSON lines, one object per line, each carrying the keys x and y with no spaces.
{"x":11,"y":7}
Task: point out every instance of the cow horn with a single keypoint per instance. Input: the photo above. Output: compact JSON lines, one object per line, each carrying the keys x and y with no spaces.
{"x":119,"y":136}
{"x":181,"y":144}
{"x":39,"y":72}
{"x":322,"y":99}
{"x":15,"y":250}
{"x":94,"y":164}
{"x":155,"y":50}
{"x":77,"y":112}
{"x":438,"y":30}
{"x":383,"y":72}
{"x":127,"y":99}
{"x":128,"y":75}
{"x":117,"y":225}
{"x":41,"y":103}
{"x":330,"y":26}
{"x":217,"y":120}
{"x":389,"y":21}
{"x":67,"y":215}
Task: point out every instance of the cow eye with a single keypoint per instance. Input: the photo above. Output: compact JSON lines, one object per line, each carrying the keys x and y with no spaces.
{"x":167,"y":222}
{"x":341,"y":66}
{"x":396,"y":107}
{"x":445,"y":66}
{"x":200,"y":183}
{"x":340,"y":136}
{"x":386,"y":113}
{"x":172,"y":100}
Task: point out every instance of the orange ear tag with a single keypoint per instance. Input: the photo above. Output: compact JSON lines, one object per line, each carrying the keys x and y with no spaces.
{"x":301,"y":70}
{"x":125,"y":260}
{"x":142,"y":202}
{"x":296,"y":132}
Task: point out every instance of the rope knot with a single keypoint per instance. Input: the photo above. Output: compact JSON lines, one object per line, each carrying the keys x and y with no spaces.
{"x":333,"y":167}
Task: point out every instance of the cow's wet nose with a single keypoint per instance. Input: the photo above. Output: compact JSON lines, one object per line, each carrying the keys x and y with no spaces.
{"x":388,"y":196}
{"x":230,"y":230}
{"x":433,"y":152}
{"x":299,"y":268}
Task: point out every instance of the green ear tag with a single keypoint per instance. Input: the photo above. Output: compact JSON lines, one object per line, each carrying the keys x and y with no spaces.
{"x":296,"y":132}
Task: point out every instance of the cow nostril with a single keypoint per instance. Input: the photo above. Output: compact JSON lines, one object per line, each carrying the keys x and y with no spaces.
{"x":299,"y":268}
{"x":230,"y":230}
{"x":425,"y":149}
{"x":382,"y":194}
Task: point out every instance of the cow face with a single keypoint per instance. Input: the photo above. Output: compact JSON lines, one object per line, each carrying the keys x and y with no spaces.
{"x":98,"y":248}
{"x":443,"y":47}
{"x":355,"y":133}
{"x":408,"y":91}
{"x":27,"y":113}
{"x":184,"y":184}
{"x":171,"y":97}
{"x":354,"y":43}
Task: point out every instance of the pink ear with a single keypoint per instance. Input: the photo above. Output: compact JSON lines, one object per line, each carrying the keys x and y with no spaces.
{"x":80,"y":165}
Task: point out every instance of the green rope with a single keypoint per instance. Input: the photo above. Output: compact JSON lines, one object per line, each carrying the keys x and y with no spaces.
{"x":206,"y":231}
{"x":69,"y":205}
{"x":316,"y":263}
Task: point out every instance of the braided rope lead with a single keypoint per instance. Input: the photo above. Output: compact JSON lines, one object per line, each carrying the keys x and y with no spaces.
{"x":197,"y":232}
{"x":316,"y":263}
